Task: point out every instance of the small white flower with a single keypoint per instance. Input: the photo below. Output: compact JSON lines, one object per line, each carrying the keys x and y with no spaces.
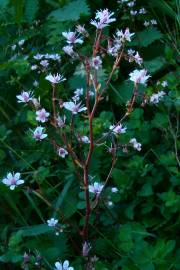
{"x":118,"y":129}
{"x":69,"y":50}
{"x":52,"y":222}
{"x":126,"y":36}
{"x":13,"y":180}
{"x":55,"y":78}
{"x":24,"y":97}
{"x":110,"y":203}
{"x":42,"y":115}
{"x":164,"y":83}
{"x":83,"y":139}
{"x":96,"y":62}
{"x":36,"y":103}
{"x":146,"y":23}
{"x":44,"y":63}
{"x":73,"y":107}
{"x":153,"y":22}
{"x":62,"y":152}
{"x":38,"y":56}
{"x":71,"y":37}
{"x":114,"y":190}
{"x":135,"y":144}
{"x":96,"y":188}
{"x":131,"y":52}
{"x":138,"y":59}
{"x":81,"y":30}
{"x":139,"y":76}
{"x":34,"y":67}
{"x":133,"y":12}
{"x":13,"y":47}
{"x":55,"y":56}
{"x":155,"y":98}
{"x":35,"y":83}
{"x":142,"y":11}
{"x":103,"y":19}
{"x":21,"y":42}
{"x":63,"y":266}
{"x":78,"y":92}
{"x":38,"y":134}
{"x":60,"y":121}
{"x":131,"y":4}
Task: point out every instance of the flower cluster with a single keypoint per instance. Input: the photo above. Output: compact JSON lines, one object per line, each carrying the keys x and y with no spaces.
{"x":156,"y":98}
{"x":135,"y":144}
{"x":103,"y":19}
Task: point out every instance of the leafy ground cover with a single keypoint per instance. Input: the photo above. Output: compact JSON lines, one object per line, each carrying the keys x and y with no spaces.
{"x":89,"y":135}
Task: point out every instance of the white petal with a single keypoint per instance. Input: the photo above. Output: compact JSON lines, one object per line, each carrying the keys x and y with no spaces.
{"x":19,"y":182}
{"x":17,"y":176}
{"x":65,"y":264}
{"x":58,"y":266}
{"x":9,"y":176}
{"x":12,"y":187}
{"x":6,"y":181}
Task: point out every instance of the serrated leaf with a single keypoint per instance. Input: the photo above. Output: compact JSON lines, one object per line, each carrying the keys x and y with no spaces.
{"x":71,"y":12}
{"x":146,"y":37}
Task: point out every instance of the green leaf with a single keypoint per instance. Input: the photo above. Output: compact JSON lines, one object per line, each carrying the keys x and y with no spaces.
{"x":146,"y":37}
{"x":71,"y":12}
{"x":31,"y":8}
{"x":146,"y":190}
{"x":35,"y":230}
{"x":155,"y":64}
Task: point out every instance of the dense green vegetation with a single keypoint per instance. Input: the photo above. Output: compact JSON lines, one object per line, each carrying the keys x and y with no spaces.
{"x":134,"y":226}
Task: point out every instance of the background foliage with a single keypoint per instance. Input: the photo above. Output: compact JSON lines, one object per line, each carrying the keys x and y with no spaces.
{"x":141,"y":231}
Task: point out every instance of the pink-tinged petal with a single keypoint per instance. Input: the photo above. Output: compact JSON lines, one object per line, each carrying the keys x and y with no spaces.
{"x":12,"y":187}
{"x":19,"y":182}
{"x":43,"y":136}
{"x":17,"y":176}
{"x":6,"y":181}
{"x":71,"y":268}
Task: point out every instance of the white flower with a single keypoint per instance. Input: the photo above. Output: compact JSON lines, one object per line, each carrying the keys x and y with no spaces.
{"x":124,"y":36}
{"x":118,"y":129}
{"x":55,"y":78}
{"x":131,"y":52}
{"x":21,"y":42}
{"x":81,"y":30}
{"x":13,"y":47}
{"x":96,"y":188}
{"x":69,"y":50}
{"x":73,"y":107}
{"x":44,"y":63}
{"x":38,"y":134}
{"x":83,"y":139}
{"x":138,"y":59}
{"x":135,"y":144}
{"x":34,"y":67}
{"x":103,"y":19}
{"x":42,"y":115}
{"x":133,"y":12}
{"x":13,"y":180}
{"x":155,"y":98}
{"x":24,"y":97}
{"x":36,"y":102}
{"x":131,"y":4}
{"x":72,"y":38}
{"x":114,"y":49}
{"x":63,"y":266}
{"x":78,"y":92}
{"x":62,"y":152}
{"x":96,"y":62}
{"x":164,"y":83}
{"x":52,"y":222}
{"x":110,"y":203}
{"x":38,"y":56}
{"x":153,"y":22}
{"x":114,"y":190}
{"x":146,"y":23}
{"x":60,"y":121}
{"x":142,"y":11}
{"x":139,"y":76}
{"x":35,"y":83}
{"x":55,"y":56}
